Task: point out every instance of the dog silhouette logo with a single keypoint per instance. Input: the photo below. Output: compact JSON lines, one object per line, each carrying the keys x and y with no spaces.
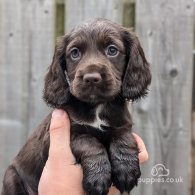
{"x":160,"y":170}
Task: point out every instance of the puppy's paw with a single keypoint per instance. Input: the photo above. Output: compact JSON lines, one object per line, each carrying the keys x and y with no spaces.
{"x":125,"y":173}
{"x":97,"y":178}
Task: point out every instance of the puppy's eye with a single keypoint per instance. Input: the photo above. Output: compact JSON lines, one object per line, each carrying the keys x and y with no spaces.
{"x":75,"y":53}
{"x":112,"y":50}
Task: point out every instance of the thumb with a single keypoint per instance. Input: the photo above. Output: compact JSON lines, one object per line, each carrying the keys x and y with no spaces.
{"x":60,"y":137}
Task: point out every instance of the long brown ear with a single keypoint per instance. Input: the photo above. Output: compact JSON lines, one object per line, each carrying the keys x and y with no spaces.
{"x":56,"y":90}
{"x":137,"y":76}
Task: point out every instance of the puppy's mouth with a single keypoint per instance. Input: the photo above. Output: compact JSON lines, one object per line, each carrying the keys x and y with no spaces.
{"x":95,"y":93}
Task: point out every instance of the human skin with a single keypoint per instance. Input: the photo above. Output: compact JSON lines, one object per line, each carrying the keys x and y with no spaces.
{"x":60,"y":174}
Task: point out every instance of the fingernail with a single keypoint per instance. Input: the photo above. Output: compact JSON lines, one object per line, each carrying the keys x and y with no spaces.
{"x":58,"y":113}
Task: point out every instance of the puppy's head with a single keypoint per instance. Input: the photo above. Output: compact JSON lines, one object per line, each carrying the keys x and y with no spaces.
{"x":95,"y":63}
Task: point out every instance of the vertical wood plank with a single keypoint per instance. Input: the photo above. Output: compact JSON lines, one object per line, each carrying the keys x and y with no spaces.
{"x":12,"y":83}
{"x":193,"y":119}
{"x":164,"y":118}
{"x":27,"y":44}
{"x":42,"y":48}
{"x":79,"y":11}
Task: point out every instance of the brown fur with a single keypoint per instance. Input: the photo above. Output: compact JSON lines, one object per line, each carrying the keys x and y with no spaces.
{"x":110,"y":148}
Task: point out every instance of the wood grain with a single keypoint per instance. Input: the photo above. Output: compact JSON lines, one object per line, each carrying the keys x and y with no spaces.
{"x":42,"y":50}
{"x":27,"y":44}
{"x":164,"y":118}
{"x":12,"y":85}
{"x":78,"y":12}
{"x":193,"y":119}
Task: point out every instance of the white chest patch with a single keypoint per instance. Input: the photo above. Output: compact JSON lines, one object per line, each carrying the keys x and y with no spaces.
{"x":97,"y":123}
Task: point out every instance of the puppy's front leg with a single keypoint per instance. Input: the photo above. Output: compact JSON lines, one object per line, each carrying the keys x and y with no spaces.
{"x":95,"y":163}
{"x":124,"y":161}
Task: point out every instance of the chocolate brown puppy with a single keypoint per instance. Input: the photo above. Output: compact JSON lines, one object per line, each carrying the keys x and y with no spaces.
{"x":96,"y":69}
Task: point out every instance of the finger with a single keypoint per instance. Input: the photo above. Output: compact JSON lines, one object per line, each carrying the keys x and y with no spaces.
{"x":60,"y":137}
{"x":143,"y":154}
{"x":113,"y":191}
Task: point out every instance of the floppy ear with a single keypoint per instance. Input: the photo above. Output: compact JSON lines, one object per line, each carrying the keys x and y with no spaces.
{"x":137,"y":75}
{"x":56,"y":90}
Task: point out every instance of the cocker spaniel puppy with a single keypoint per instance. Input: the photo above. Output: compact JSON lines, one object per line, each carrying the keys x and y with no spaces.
{"x":96,"y":68}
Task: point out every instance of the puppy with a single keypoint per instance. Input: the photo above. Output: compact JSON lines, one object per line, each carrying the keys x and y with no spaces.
{"x":96,"y":68}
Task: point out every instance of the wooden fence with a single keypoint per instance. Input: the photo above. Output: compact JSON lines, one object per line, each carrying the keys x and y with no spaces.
{"x":27,"y":36}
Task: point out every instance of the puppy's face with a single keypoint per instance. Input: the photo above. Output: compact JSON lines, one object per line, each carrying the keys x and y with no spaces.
{"x":95,"y":63}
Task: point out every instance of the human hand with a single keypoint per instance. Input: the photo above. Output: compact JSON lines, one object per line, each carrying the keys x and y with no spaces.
{"x":60,"y":175}
{"x":143,"y":154}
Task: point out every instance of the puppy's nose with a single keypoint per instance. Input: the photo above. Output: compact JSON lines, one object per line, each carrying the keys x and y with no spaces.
{"x":92,"y":78}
